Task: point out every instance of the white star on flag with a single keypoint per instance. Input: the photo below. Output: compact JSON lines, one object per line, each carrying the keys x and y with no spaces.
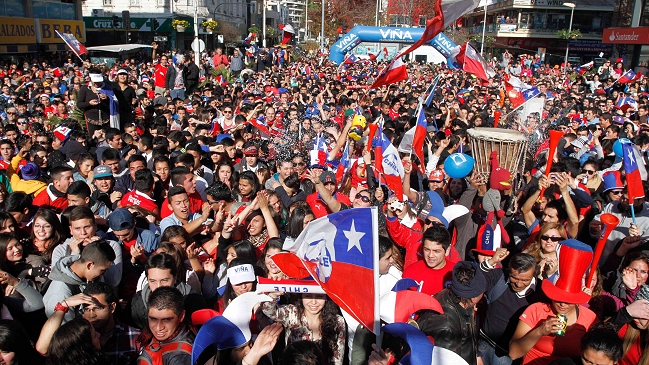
{"x":354,"y":238}
{"x":631,"y":157}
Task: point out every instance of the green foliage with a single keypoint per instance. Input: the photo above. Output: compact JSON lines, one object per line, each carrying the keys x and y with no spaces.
{"x":180,"y":23}
{"x":565,"y":34}
{"x":254,"y":30}
{"x":223,"y":71}
{"x":209,"y":24}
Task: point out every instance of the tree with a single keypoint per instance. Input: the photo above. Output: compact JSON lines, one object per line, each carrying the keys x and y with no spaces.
{"x":566,"y":35}
{"x":230,"y":33}
{"x":411,"y":9}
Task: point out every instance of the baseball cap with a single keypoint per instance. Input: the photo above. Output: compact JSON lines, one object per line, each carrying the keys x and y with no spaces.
{"x":102,"y":171}
{"x":436,"y":175}
{"x":328,"y":177}
{"x":122,"y":72}
{"x":120,"y":219}
{"x":251,"y":151}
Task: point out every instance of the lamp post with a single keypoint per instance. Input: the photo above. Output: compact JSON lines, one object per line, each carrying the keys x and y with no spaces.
{"x":572,"y":13}
{"x":322,"y":26}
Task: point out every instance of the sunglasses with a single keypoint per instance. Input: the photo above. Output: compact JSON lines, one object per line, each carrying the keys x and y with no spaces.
{"x":617,"y":192}
{"x":362,"y":197}
{"x":21,"y":123}
{"x":589,"y":172}
{"x":549,"y":238}
{"x":11,"y":113}
{"x":299,"y":164}
{"x":227,"y":112}
{"x":43,"y":143}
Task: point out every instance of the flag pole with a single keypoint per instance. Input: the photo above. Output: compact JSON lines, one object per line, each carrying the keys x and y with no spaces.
{"x":375,"y":257}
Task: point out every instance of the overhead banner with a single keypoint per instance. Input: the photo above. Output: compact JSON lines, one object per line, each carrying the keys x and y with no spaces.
{"x":137,"y":24}
{"x":363,"y":33}
{"x":47,"y":30}
{"x":17,"y":31}
{"x":637,"y":35}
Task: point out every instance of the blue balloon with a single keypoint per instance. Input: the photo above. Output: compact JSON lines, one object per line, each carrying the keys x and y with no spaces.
{"x":458,"y":165}
{"x":617,"y":146}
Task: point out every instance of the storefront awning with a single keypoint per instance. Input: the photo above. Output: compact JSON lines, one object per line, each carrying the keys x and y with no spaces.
{"x":117,"y":48}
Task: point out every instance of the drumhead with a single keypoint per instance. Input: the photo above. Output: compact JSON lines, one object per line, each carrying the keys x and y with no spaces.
{"x":497,"y":134}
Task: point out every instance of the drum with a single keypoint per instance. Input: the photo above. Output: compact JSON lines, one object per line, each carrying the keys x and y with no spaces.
{"x":511,"y":146}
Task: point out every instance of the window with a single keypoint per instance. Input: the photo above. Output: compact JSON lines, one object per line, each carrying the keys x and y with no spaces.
{"x":108,"y":2}
{"x":163,"y":3}
{"x":136,"y":2}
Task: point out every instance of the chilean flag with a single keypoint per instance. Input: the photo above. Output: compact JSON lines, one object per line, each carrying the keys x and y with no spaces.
{"x":626,"y":103}
{"x":585,"y":67}
{"x":420,"y":136}
{"x":465,"y":57}
{"x":422,"y":352}
{"x":390,"y":163}
{"x":633,"y":178}
{"x":446,"y":12}
{"x":260,"y":123}
{"x":519,"y":92}
{"x":73,"y":43}
{"x":351,"y":59}
{"x":628,"y":77}
{"x":395,"y":71}
{"x":337,"y":251}
{"x":344,"y":164}
{"x":431,"y":93}
{"x":399,"y":304}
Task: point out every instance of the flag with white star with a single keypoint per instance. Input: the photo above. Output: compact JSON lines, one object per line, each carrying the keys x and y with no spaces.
{"x":337,"y":251}
{"x":632,"y":172}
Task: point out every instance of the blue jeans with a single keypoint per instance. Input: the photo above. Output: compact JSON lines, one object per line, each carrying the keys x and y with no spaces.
{"x":177,"y":93}
{"x":489,"y":356}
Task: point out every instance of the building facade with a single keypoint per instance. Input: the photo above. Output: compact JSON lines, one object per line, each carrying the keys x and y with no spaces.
{"x":530,"y":26}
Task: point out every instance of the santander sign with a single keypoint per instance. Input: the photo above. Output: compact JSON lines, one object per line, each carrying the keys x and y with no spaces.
{"x":637,"y":35}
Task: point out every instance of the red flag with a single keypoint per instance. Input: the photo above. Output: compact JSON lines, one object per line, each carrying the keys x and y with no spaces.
{"x":515,"y":96}
{"x":632,"y":173}
{"x":393,"y":72}
{"x":446,"y":12}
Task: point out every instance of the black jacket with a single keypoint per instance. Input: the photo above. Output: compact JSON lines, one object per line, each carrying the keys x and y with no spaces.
{"x":465,"y":319}
{"x":139,"y":311}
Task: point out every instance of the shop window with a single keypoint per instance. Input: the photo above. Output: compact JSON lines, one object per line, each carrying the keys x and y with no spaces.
{"x":54,"y":10}
{"x":12,"y":8}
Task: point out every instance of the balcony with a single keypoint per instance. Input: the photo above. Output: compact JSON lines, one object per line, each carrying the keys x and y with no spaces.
{"x":531,"y":30}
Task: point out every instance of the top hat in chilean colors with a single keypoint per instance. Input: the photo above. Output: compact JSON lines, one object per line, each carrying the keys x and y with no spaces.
{"x":575,"y":258}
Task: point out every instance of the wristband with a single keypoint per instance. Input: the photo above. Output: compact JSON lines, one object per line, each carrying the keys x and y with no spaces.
{"x":61,"y":308}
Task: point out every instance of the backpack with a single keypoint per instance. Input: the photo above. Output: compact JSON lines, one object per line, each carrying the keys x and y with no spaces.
{"x":153,"y":353}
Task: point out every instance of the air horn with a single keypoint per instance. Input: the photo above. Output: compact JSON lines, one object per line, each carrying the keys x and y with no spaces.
{"x":610,"y":222}
{"x":555,"y":137}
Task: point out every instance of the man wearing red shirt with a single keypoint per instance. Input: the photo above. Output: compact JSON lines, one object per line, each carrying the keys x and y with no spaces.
{"x":181,"y":176}
{"x":318,"y":200}
{"x":142,"y":196}
{"x":160,"y":77}
{"x":435,"y":270}
{"x":54,"y":196}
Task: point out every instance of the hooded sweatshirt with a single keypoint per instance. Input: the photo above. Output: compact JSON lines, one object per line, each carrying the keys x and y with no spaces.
{"x":140,"y":311}
{"x":65,"y":283}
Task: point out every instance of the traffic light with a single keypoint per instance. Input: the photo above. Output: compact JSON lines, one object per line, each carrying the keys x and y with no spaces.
{"x":115,"y":21}
{"x":156,"y":24}
{"x":132,"y":38}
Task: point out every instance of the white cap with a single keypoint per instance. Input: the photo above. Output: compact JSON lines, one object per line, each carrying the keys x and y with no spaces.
{"x":241,"y":274}
{"x":96,"y":77}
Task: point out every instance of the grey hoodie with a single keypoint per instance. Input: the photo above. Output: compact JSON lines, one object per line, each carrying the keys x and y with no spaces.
{"x":63,"y":278}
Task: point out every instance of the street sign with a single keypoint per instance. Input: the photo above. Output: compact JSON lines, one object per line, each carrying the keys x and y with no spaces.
{"x":220,"y":38}
{"x":198,"y":45}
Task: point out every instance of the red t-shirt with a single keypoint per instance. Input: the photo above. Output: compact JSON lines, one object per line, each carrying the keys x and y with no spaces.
{"x":45,"y":199}
{"x":134,"y":197}
{"x":633,"y":355}
{"x":552,"y":348}
{"x":434,"y":280}
{"x":195,"y":206}
{"x":318,"y":206}
{"x":160,"y":79}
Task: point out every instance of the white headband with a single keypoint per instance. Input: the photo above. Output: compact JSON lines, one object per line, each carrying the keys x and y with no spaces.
{"x":241,"y":274}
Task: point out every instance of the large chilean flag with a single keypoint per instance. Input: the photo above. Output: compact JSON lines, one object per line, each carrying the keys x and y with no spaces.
{"x":633,"y":179}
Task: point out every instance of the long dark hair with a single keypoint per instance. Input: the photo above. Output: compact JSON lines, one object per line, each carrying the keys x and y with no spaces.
{"x":5,"y":265}
{"x":72,"y":344}
{"x":13,"y":338}
{"x":295,"y":224}
{"x":328,"y":324}
{"x":252,"y":179}
{"x":57,"y":231}
{"x":276,"y":243}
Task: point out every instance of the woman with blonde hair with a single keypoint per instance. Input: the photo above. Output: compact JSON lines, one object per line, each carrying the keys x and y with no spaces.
{"x":544,"y":249}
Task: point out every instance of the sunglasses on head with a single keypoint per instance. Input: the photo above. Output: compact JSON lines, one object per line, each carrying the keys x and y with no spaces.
{"x":553,"y":239}
{"x":362,"y":197}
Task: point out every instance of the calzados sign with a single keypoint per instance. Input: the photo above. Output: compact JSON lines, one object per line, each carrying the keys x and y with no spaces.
{"x":17,"y":31}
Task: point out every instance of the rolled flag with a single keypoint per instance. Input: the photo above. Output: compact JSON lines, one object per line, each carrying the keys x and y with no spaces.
{"x":230,"y":330}
{"x":425,"y":353}
{"x":265,"y":285}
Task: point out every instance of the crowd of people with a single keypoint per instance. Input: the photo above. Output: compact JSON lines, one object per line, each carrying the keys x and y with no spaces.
{"x":141,"y":199}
